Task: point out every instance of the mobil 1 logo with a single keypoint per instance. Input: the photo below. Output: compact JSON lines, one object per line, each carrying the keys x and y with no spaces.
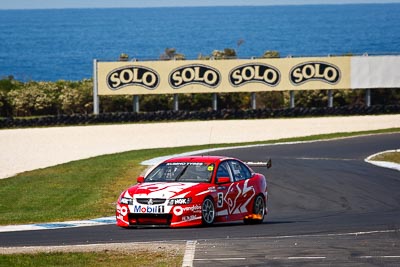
{"x":315,"y":71}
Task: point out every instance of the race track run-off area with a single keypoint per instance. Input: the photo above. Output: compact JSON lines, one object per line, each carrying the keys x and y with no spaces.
{"x":327,"y":207}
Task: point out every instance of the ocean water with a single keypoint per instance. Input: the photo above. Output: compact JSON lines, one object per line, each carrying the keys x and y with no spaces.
{"x":50,"y":45}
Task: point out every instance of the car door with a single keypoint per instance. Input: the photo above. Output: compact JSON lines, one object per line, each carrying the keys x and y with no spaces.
{"x":225,"y":191}
{"x":241,"y":189}
{"x":233,"y":197}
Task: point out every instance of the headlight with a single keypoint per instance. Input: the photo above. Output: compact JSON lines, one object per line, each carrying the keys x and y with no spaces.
{"x":125,"y":200}
{"x":179,"y":201}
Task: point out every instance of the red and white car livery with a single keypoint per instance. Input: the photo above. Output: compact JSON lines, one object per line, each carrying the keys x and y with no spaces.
{"x":195,"y":190}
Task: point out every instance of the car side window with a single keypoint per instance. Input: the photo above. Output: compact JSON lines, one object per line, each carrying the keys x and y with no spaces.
{"x":223,"y":170}
{"x":239,"y":170}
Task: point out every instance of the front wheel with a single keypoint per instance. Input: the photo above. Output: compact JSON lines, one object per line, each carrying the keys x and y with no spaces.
{"x":208,"y":212}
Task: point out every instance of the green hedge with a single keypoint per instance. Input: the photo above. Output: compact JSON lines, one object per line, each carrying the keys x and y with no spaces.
{"x":169,"y":115}
{"x":18,"y":99}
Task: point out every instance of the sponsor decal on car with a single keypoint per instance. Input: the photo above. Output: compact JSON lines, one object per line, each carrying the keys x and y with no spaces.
{"x":123,"y":210}
{"x":179,"y":210}
{"x":185,"y":164}
{"x":190,"y":218}
{"x":193,"y":208}
{"x":148,"y":209}
{"x":179,"y":201}
{"x":163,"y":190}
{"x":231,"y":198}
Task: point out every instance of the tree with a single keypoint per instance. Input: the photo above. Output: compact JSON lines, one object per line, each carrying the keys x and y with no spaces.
{"x":227,"y":53}
{"x":271,"y":54}
{"x":171,"y":54}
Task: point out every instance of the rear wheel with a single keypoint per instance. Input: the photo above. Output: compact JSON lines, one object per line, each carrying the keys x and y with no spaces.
{"x":208,"y":212}
{"x":258,"y":211}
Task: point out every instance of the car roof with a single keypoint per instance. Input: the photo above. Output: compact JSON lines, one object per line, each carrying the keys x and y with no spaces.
{"x":204,"y":159}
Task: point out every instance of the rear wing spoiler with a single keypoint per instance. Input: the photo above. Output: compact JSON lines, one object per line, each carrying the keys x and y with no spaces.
{"x":267,"y":164}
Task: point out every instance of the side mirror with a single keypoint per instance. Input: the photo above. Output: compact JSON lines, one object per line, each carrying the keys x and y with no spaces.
{"x":140,"y":179}
{"x":223,"y":180}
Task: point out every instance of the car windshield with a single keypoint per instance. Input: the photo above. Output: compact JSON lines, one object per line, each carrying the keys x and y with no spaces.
{"x":196,"y":172}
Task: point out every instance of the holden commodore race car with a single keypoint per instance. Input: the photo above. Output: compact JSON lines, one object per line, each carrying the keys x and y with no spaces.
{"x":194,"y":190}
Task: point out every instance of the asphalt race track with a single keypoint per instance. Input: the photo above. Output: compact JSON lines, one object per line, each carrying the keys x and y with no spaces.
{"x":327,"y":207}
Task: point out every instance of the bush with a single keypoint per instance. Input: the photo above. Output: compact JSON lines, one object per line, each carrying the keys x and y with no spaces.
{"x":35,"y":98}
{"x":75,"y":97}
{"x":5,"y":108}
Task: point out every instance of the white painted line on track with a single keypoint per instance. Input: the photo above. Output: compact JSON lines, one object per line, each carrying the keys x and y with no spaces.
{"x":221,"y":259}
{"x":337,"y":159}
{"x":157,"y":160}
{"x":58,"y":225}
{"x":189,"y":253}
{"x":380,"y":257}
{"x":337,"y":234}
{"x":307,"y":258}
{"x":324,"y":257}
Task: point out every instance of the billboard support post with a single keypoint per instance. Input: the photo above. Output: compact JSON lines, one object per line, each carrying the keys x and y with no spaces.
{"x":330,"y":98}
{"x":96,"y":99}
{"x":136,"y":107}
{"x":253,"y":100}
{"x":368,"y":97}
{"x":214,"y":102}
{"x":291,"y":92}
{"x":176,"y":102}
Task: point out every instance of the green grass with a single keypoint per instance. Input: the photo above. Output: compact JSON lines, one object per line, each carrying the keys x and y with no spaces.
{"x":96,"y":259}
{"x":89,"y":188}
{"x":389,"y":157}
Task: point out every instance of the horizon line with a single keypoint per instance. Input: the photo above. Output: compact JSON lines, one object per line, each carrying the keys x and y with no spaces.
{"x":198,"y":6}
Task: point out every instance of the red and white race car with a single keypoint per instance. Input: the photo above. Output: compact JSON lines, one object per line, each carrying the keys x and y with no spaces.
{"x":195,"y":190}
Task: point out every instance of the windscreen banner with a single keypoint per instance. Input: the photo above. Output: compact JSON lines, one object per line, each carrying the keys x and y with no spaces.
{"x":238,"y":75}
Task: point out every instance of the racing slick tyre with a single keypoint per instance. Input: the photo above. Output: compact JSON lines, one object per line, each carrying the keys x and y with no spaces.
{"x":207,"y":211}
{"x":258,"y":211}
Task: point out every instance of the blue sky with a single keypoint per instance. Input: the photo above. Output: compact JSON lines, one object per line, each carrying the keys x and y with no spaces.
{"x":37,"y":4}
